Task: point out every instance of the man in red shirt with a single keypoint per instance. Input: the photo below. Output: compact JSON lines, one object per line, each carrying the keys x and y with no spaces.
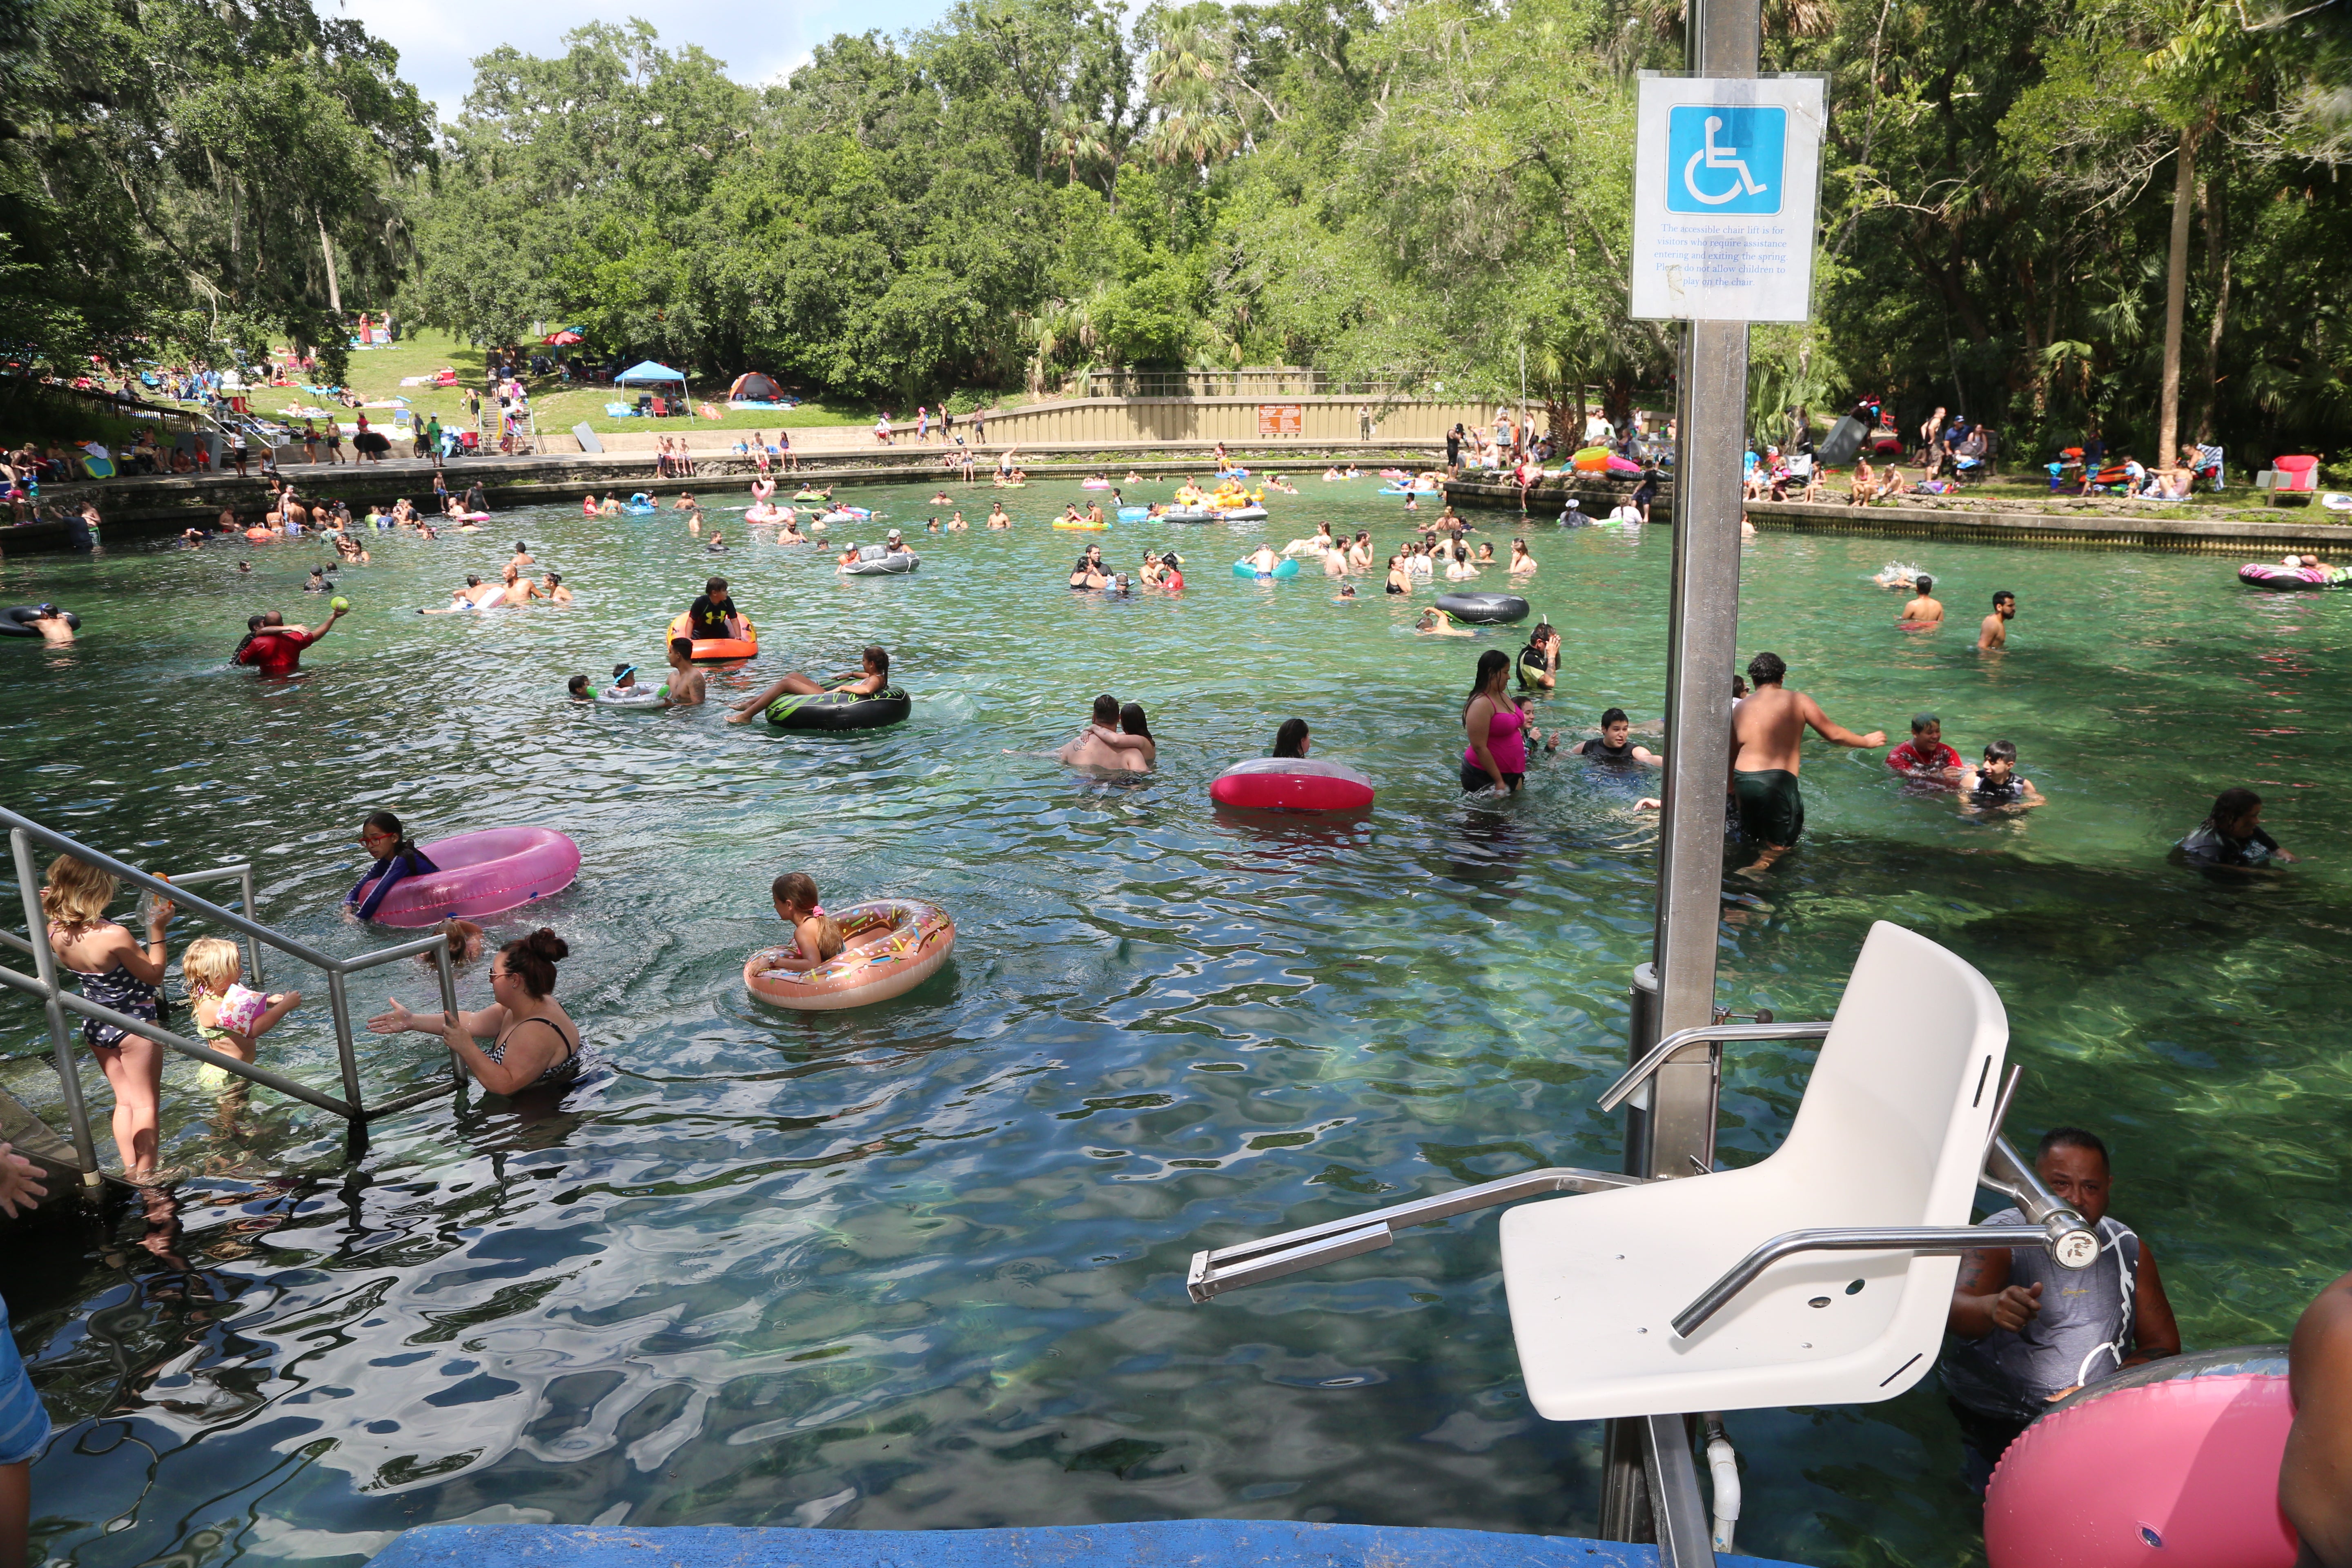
{"x":1925,"y":755}
{"x":273,"y":648}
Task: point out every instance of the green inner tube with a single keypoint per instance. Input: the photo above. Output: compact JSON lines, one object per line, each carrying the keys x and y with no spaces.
{"x":840,"y":711}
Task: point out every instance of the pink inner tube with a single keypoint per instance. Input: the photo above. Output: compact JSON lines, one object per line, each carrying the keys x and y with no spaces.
{"x":2175,"y":1463}
{"x":482,"y":873}
{"x":1291,"y":783}
{"x":2263,"y":574}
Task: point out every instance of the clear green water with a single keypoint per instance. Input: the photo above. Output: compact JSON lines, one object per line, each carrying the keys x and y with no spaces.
{"x":921,"y":1266}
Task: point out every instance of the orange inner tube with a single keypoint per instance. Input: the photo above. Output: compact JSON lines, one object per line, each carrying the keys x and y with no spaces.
{"x":721,"y":647}
{"x":889,"y":947}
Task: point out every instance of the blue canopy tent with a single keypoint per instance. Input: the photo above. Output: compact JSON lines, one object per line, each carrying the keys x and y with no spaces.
{"x":646,"y":373}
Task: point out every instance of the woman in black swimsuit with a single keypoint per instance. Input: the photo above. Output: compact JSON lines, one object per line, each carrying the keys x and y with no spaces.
{"x":532,"y":1040}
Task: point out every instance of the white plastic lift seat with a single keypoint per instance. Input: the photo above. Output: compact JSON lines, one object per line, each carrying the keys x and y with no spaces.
{"x":1891,"y":1133}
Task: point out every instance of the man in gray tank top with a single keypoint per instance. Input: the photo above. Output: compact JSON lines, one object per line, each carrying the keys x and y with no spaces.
{"x":2025,"y":1332}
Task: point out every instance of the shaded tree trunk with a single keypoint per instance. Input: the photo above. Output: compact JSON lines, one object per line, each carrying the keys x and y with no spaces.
{"x":2176,"y":300}
{"x":2216,"y":261}
{"x":327,"y":249}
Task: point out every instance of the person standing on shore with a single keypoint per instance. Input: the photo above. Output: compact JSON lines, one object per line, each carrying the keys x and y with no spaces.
{"x":1768,"y":732}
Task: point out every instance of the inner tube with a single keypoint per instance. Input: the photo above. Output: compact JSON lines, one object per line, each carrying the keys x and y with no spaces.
{"x":808,"y":494}
{"x":17,"y":621}
{"x":1080,"y":526}
{"x":890,"y":946}
{"x":1291,"y":783}
{"x":709,"y":648}
{"x":1250,"y":513}
{"x":1188,"y":514}
{"x":2178,"y":1456}
{"x":1134,"y":513}
{"x":840,"y":710}
{"x":2265,"y":575}
{"x":480,"y":874}
{"x":1484,"y":609}
{"x":882,"y":562}
{"x":634,"y":697}
{"x":1093,"y":484}
{"x":1281,"y":569}
{"x":632,"y":508}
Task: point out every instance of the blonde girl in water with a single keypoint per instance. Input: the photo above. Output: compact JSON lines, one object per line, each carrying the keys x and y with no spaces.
{"x":816,"y":936}
{"x":230,"y":1019}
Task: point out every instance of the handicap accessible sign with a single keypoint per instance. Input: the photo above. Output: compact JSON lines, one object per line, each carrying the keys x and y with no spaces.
{"x":1728,"y":179}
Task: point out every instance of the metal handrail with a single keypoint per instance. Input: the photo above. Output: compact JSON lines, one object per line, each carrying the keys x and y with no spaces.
{"x":1656,"y":1057}
{"x":1223,"y":1269}
{"x":59,"y":1000}
{"x":2065,"y":1246}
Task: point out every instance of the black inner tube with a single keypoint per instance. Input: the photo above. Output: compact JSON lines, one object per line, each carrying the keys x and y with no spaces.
{"x":840,"y":710}
{"x":16,"y":620}
{"x":1484,"y":609}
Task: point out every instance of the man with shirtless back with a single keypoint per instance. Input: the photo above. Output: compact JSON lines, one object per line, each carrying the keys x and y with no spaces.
{"x":1994,"y":633}
{"x":1768,"y":732}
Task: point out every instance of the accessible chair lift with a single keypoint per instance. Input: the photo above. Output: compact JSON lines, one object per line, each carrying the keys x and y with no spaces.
{"x":1819,"y":1274}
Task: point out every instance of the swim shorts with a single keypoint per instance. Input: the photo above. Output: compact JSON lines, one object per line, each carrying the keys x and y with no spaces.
{"x":24,"y":1422}
{"x":1770,"y":809}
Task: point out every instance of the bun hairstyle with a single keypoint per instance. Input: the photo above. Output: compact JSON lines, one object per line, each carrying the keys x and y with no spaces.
{"x":531,"y":960}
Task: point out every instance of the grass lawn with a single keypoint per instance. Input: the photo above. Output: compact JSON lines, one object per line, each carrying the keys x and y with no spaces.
{"x":376,"y":374}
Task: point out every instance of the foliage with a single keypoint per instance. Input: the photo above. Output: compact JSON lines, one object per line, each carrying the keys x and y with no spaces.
{"x":171,"y":171}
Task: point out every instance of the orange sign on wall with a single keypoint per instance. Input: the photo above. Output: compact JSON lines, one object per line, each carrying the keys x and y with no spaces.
{"x":1281,"y":418}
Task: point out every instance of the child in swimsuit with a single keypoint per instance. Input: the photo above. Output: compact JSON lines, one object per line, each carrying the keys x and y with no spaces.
{"x":229,"y":1017}
{"x":816,"y":936}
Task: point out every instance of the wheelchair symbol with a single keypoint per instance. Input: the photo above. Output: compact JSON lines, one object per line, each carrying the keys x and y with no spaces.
{"x":1726,"y":160}
{"x":1713,"y":157}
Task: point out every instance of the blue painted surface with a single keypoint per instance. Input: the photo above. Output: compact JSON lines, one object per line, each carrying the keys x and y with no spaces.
{"x":1174,"y":1544}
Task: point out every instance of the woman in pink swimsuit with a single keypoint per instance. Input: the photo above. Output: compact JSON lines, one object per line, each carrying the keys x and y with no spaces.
{"x":1496,"y":757}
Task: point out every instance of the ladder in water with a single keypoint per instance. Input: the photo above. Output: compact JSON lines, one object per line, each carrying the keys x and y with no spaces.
{"x":76,"y":1149}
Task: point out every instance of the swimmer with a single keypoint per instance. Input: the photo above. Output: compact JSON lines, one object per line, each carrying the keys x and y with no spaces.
{"x":1897,"y":574}
{"x":624,"y":682}
{"x":1071,"y":514}
{"x":1346,"y":593}
{"x":956,"y":524}
{"x":2232,"y":835}
{"x":1523,"y":564}
{"x":1436,"y":623}
{"x":1335,"y":563}
{"x":1261,"y":561}
{"x":229,"y":1017}
{"x":941,"y":498}
{"x":684,"y":689}
{"x":1994,"y":633}
{"x":1538,"y":662}
{"x":1329,"y":474}
{"x":1925,"y":755}
{"x":718,"y":545}
{"x":848,"y":557}
{"x":790,"y":534}
{"x":1614,"y":743}
{"x":1457,"y":563}
{"x":1994,"y":784}
{"x":996,"y":517}
{"x":1103,"y":744}
{"x":1768,"y":732}
{"x":1400,"y":581}
{"x":875,"y":676}
{"x":1133,"y":478}
{"x":1089,"y":572}
{"x":1095,"y":513}
{"x":685,"y":503}
{"x":522,"y":556}
{"x":610,"y":506}
{"x":465,"y":937}
{"x":1925,"y":610}
{"x":317,"y":583}
{"x":577,"y":688}
{"x":1486,"y":555}
{"x":933,"y":525}
{"x":1153,"y":574}
{"x":816,"y":936}
{"x":2314,"y":1487}
{"x":515,"y":590}
{"x":51,"y":623}
{"x":556,"y":592}
{"x":475,"y":596}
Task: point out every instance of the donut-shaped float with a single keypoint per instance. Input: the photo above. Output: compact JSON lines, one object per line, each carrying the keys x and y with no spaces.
{"x":1291,"y":783}
{"x":635,"y":508}
{"x":1079,"y":525}
{"x":260,"y":535}
{"x":761,"y":511}
{"x":2175,"y":1462}
{"x":1484,"y":609}
{"x":1134,"y":513}
{"x":840,"y":709}
{"x":2265,"y":575}
{"x":1093,"y":484}
{"x":707,"y":648}
{"x":17,"y":621}
{"x":1188,"y":514}
{"x":809,"y":495}
{"x":1281,"y":569}
{"x":1253,"y":513}
{"x":480,"y":874}
{"x":892,"y":945}
{"x":633,"y":697}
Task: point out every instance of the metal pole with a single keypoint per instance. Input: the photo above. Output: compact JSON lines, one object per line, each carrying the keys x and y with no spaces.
{"x":252,"y":948}
{"x":446,"y":972}
{"x":341,"y":1008}
{"x":1675,"y":1137}
{"x":44,"y":964}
